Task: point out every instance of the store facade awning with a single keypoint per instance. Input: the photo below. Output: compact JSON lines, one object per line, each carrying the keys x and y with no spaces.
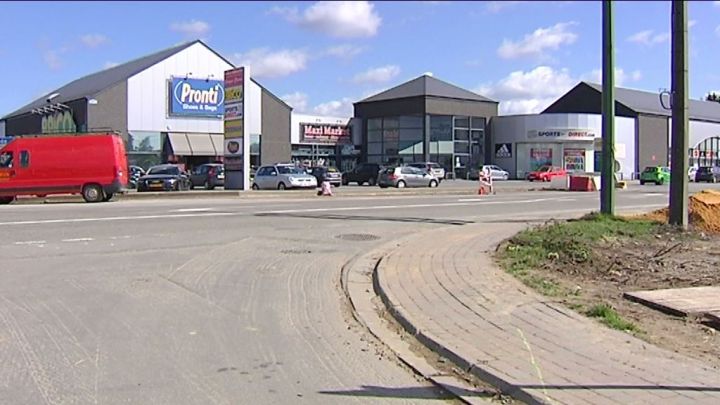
{"x":201,"y":144}
{"x":179,"y":143}
{"x":196,"y":144}
{"x":218,"y":141}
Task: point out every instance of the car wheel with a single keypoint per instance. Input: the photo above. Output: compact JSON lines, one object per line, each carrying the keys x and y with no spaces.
{"x":93,"y":193}
{"x":660,"y":182}
{"x":255,"y":187}
{"x":371,"y":181}
{"x":6,"y":200}
{"x":345,"y":181}
{"x":642,"y":183}
{"x":108,"y":197}
{"x":400,"y":184}
{"x":433,"y":184}
{"x":281,"y":186}
{"x":505,"y":176}
{"x":209,"y":186}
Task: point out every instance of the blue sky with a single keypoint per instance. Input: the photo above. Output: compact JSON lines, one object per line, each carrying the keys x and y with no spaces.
{"x":322,"y":56}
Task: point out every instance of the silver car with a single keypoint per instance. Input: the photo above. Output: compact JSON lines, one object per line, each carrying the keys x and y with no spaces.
{"x":406,"y":176}
{"x":432,"y":167}
{"x":281,"y":177}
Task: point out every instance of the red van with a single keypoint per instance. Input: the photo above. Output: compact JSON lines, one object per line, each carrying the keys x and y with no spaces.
{"x":93,"y":165}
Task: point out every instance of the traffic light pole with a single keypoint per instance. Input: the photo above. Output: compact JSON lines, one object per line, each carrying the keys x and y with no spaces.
{"x":607,"y":191}
{"x":679,"y":100}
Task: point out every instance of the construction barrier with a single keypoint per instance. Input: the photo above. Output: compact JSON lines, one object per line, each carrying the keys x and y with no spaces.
{"x":560,"y":183}
{"x":582,"y":183}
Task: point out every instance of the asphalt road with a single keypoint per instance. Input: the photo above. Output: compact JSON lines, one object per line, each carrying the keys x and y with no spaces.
{"x":222,"y":301}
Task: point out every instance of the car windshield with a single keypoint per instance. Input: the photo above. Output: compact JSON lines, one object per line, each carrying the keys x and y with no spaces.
{"x":705,"y":169}
{"x":290,"y":170}
{"x":171,"y":170}
{"x":332,"y":170}
{"x":544,"y":169}
{"x":650,"y":169}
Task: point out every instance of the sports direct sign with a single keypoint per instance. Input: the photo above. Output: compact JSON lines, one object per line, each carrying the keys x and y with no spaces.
{"x":197,"y":97}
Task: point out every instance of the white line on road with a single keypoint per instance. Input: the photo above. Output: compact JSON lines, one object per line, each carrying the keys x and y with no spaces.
{"x":470,"y":202}
{"x":78,"y":240}
{"x":31,"y":242}
{"x":192,"y":210}
{"x":107,"y":219}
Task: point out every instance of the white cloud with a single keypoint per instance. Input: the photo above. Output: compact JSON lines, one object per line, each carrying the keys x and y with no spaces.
{"x":621,"y":77}
{"x":497,"y":6}
{"x":192,"y":28}
{"x":109,"y":65}
{"x":649,"y":38}
{"x":692,"y":23}
{"x":717,"y":30}
{"x":377,"y":75}
{"x":297,"y":100}
{"x":266,"y":63}
{"x":530,"y":92}
{"x":335,"y":108}
{"x":345,"y":52}
{"x":536,"y":43}
{"x":93,"y":40}
{"x":343,"y":19}
{"x":53,"y":58}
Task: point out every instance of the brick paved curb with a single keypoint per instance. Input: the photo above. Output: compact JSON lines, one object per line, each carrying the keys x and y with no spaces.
{"x":459,"y":304}
{"x":356,"y":277}
{"x":433,"y":344}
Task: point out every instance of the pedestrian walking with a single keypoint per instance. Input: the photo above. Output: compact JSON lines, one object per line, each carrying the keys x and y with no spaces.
{"x":486,"y":183}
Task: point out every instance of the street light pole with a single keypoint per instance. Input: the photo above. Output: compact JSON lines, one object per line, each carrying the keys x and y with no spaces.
{"x":607,"y":190}
{"x":679,"y":100}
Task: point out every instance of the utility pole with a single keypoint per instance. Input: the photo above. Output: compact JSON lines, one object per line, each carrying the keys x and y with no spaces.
{"x":607,"y":180}
{"x":679,"y":102}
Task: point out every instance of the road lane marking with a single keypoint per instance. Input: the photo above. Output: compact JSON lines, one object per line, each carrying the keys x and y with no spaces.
{"x":469,"y":202}
{"x":108,"y":219}
{"x":31,"y":242}
{"x":78,"y":240}
{"x":192,"y":210}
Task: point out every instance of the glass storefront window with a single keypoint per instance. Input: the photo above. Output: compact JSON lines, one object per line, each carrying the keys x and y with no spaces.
{"x":374,"y":136}
{"x":391,"y":135}
{"x":462,"y":122}
{"x":390,"y":148}
{"x":411,"y":134}
{"x":140,"y":141}
{"x":477,"y":136}
{"x":374,"y":123}
{"x":374,"y":148}
{"x":462,"y":147}
{"x":390,"y":123}
{"x":462,"y":135}
{"x":411,"y":121}
{"x":477,"y":123}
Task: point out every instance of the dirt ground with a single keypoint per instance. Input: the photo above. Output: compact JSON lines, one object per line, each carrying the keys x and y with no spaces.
{"x":669,"y":259}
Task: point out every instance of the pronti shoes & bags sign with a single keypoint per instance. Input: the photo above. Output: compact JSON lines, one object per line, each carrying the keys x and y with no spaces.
{"x":196,"y":97}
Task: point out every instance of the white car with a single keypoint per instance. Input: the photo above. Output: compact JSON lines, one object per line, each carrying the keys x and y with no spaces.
{"x":281,"y":177}
{"x":496,"y":172}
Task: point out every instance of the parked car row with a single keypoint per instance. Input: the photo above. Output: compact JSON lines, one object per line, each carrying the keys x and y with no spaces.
{"x":170,"y":177}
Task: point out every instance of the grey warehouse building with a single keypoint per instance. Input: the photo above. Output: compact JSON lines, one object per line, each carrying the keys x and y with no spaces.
{"x":653,"y":122}
{"x":136,"y":99}
{"x":426,"y":119}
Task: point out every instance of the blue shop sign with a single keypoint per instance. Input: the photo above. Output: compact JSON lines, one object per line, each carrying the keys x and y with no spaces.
{"x":197,"y":97}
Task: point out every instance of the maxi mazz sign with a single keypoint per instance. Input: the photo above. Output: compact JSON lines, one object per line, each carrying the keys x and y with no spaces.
{"x":197,"y":97}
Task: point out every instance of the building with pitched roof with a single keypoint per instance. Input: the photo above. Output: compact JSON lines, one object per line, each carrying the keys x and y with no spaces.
{"x":168,"y":106}
{"x":568,"y":133}
{"x":426,"y":119}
